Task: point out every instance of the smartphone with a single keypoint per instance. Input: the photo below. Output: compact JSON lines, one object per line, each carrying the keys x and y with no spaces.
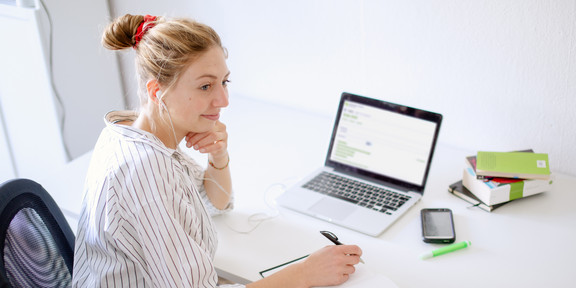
{"x":437,"y":225}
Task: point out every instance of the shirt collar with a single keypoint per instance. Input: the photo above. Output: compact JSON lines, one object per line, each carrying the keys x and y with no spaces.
{"x":130,"y":133}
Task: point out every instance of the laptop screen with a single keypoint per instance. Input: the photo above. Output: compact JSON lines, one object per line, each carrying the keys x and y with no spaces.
{"x":383,"y":140}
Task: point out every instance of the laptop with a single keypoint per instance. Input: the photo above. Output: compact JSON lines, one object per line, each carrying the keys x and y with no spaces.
{"x":376,"y":167}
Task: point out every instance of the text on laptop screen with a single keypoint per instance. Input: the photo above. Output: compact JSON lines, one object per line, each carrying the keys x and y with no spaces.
{"x":383,"y":142}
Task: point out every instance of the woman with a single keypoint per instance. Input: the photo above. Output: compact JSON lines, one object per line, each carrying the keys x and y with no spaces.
{"x":146,"y":212}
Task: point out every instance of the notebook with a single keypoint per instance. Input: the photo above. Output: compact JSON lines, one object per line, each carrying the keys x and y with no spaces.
{"x":376,"y":167}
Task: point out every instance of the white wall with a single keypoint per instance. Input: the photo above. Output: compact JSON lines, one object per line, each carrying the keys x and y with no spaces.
{"x":28,"y":109}
{"x":503,"y":73}
{"x":86,"y":75}
{"x":86,"y":79}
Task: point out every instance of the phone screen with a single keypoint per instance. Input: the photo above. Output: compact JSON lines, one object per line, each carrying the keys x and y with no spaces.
{"x":437,"y":225}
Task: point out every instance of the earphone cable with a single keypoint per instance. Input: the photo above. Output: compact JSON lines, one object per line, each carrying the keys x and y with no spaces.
{"x":52,"y":83}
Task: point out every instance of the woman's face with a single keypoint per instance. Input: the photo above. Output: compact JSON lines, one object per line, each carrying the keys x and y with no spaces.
{"x":195,"y":100}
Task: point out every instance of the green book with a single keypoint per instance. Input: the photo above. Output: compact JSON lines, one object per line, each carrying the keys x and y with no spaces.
{"x":513,"y":165}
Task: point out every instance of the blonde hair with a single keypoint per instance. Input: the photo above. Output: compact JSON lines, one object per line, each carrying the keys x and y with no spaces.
{"x":164,"y":51}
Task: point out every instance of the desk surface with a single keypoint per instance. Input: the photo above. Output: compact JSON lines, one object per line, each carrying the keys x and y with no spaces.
{"x":526,"y":243}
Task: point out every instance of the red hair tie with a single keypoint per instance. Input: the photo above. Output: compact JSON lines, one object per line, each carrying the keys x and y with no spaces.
{"x":142,"y":28}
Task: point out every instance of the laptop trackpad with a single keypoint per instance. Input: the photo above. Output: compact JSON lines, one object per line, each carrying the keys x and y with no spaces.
{"x":332,"y":209}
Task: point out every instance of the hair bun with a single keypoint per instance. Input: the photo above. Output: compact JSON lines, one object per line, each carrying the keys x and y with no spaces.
{"x":120,"y":33}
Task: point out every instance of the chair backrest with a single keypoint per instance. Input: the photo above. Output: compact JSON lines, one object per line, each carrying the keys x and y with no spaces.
{"x":36,"y":242}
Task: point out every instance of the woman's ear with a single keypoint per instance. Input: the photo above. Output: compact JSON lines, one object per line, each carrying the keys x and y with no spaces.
{"x":152,"y":88}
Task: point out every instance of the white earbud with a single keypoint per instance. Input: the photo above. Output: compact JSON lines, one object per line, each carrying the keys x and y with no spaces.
{"x":159,"y":95}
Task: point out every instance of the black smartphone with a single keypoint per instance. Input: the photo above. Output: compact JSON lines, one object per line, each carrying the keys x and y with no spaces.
{"x":437,"y":225}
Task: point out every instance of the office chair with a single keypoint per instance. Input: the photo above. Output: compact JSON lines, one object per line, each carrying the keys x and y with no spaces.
{"x":36,"y":242}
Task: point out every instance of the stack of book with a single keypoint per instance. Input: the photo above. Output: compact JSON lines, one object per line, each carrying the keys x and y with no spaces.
{"x":492,"y":179}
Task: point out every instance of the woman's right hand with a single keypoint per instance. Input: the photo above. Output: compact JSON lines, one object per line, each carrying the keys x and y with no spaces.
{"x":331,"y":265}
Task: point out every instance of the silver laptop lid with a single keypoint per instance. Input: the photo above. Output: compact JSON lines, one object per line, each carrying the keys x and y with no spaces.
{"x":383,"y":142}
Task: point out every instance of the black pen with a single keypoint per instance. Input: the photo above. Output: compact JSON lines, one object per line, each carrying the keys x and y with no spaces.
{"x":334,"y":240}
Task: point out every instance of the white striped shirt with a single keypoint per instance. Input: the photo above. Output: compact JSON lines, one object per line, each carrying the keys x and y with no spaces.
{"x":146,"y":218}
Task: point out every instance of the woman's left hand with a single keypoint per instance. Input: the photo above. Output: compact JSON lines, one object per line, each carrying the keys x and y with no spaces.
{"x":214,"y":142}
{"x":217,"y":180}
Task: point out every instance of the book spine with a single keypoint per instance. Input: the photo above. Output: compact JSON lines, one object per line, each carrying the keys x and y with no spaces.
{"x":491,"y":194}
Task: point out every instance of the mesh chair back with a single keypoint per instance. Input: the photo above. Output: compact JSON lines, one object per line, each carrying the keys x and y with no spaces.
{"x":36,"y":242}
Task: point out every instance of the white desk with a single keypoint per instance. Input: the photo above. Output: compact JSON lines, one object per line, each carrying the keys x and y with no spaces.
{"x":527,"y":243}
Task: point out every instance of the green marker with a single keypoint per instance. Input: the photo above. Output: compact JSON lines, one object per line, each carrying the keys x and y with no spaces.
{"x":447,"y":249}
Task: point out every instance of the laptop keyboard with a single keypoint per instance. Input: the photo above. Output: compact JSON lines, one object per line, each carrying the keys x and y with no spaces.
{"x":356,"y":192}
